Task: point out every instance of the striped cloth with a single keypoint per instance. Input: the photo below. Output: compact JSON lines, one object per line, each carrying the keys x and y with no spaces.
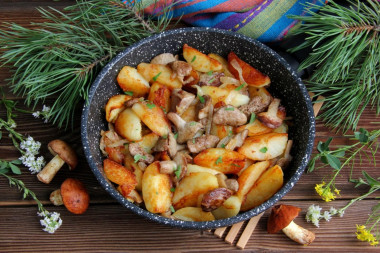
{"x":265,"y":20}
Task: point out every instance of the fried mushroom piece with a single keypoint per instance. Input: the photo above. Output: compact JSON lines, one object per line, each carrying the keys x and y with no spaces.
{"x":181,"y":100}
{"x":212,"y":79}
{"x":167,"y":144}
{"x":229,"y":115}
{"x":163,"y":59}
{"x":186,"y":130}
{"x":256,"y":105}
{"x":180,"y":69}
{"x":198,"y":144}
{"x":275,"y":115}
{"x":180,"y":171}
{"x":214,"y":199}
{"x":138,"y":152}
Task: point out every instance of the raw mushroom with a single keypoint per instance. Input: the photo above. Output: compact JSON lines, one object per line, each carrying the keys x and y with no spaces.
{"x":181,"y":100}
{"x":73,"y":195}
{"x":198,"y":144}
{"x":63,"y":153}
{"x":229,"y":115}
{"x":186,"y":130}
{"x":256,"y":105}
{"x":281,"y":218}
{"x":163,"y":59}
{"x":274,"y":116}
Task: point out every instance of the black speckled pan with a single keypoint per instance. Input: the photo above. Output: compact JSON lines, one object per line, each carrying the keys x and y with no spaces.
{"x":285,"y":85}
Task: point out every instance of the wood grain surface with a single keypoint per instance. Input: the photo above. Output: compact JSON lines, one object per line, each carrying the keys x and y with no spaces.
{"x":109,"y":227}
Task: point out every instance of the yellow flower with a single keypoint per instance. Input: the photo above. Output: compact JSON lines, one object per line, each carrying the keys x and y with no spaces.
{"x":325,"y":192}
{"x":337,"y":191}
{"x":365,"y":235}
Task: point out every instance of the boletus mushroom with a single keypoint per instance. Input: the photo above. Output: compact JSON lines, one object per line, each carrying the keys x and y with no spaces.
{"x":63,"y":153}
{"x":73,"y":195}
{"x":281,"y":218}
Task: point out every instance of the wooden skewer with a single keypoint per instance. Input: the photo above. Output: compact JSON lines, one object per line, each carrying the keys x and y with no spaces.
{"x":233,"y":232}
{"x":219,"y":232}
{"x":317,"y":106}
{"x":248,"y":231}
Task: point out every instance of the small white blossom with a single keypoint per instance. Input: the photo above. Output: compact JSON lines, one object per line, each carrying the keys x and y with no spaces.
{"x":314,"y":215}
{"x":30,"y":146}
{"x":44,"y":113}
{"x":36,"y":114}
{"x":51,"y":221}
{"x":340,"y":213}
{"x":333,"y":211}
{"x":45,"y":108}
{"x":13,"y":125}
{"x":29,"y":159}
{"x":327,"y":215}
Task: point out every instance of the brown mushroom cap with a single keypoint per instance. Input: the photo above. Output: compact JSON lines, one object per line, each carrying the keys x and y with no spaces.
{"x":64,"y":151}
{"x":75,"y":196}
{"x":280,"y":217}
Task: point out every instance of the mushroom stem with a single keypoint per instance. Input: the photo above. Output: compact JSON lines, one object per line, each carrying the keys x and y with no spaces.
{"x":299,"y":234}
{"x":48,"y":172}
{"x":56,"y":197}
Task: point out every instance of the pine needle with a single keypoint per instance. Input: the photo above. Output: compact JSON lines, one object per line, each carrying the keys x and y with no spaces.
{"x":345,"y":46}
{"x":62,"y":57}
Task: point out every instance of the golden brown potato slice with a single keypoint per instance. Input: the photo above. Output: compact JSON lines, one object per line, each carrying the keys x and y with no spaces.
{"x":217,"y":94}
{"x":153,"y":117}
{"x":191,"y":113}
{"x":249,"y":176}
{"x":191,"y":168}
{"x":148,"y":141}
{"x":254,"y":128}
{"x":267,"y":185}
{"x":227,"y":95}
{"x":191,"y":186}
{"x":281,"y":129}
{"x":223,"y":62}
{"x":230,"y":208}
{"x":159,"y":73}
{"x":265,"y":146}
{"x":118,"y":174}
{"x":115,"y":105}
{"x":130,"y":80}
{"x":260,"y":91}
{"x":156,"y":189}
{"x":159,"y":94}
{"x":223,"y":160}
{"x":200,"y":61}
{"x":221,"y":130}
{"x":130,"y":164}
{"x":128,"y":125}
{"x":193,"y":214}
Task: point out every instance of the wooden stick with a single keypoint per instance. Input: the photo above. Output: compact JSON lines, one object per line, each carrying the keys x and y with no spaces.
{"x":248,"y":231}
{"x":219,"y":232}
{"x":233,"y":232}
{"x":317,"y":106}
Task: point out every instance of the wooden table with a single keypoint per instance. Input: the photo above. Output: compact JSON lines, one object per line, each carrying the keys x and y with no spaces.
{"x":107,"y":226}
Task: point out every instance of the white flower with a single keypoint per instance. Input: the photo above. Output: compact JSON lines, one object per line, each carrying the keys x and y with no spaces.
{"x":314,"y":215}
{"x":51,"y":221}
{"x":36,"y":114}
{"x":333,"y":211}
{"x":45,"y":108}
{"x":13,"y":125}
{"x":31,"y":148}
{"x":327,"y":216}
{"x":340,"y":213}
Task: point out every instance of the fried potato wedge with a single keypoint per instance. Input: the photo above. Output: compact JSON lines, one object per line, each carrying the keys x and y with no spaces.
{"x":148,"y":141}
{"x":191,"y":113}
{"x":221,"y":130}
{"x":116,"y":154}
{"x":118,"y":174}
{"x":114,"y":106}
{"x":190,"y":187}
{"x":223,"y":62}
{"x":281,"y":129}
{"x":265,"y":187}
{"x":227,"y":95}
{"x":193,"y":214}
{"x":159,"y":94}
{"x":230,"y":208}
{"x":265,"y":146}
{"x":252,"y":76}
{"x":153,"y":117}
{"x":254,"y":128}
{"x":223,"y":160}
{"x":131,"y":80}
{"x":156,"y":189}
{"x":249,"y":176}
{"x":159,"y":73}
{"x":199,"y":61}
{"x":260,"y":91}
{"x":130,"y":164}
{"x":191,"y":168}
{"x":128,"y":125}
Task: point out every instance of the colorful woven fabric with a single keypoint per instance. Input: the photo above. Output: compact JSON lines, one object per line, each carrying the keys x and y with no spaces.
{"x":265,"y":20}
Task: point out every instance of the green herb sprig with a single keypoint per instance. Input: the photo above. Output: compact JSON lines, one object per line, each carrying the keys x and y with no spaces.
{"x":345,"y":44}
{"x":62,"y":57}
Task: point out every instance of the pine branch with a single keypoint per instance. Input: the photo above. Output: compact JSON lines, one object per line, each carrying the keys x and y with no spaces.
{"x":345,"y":46}
{"x":62,"y":57}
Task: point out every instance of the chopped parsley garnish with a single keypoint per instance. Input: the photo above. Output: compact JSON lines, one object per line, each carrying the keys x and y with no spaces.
{"x":172,"y":189}
{"x":193,"y":140}
{"x":223,"y":145}
{"x":252,"y":119}
{"x":229,"y":108}
{"x":172,"y":209}
{"x":192,"y":123}
{"x":138,"y":157}
{"x":202,"y":99}
{"x":210,"y":73}
{"x":129,"y":93}
{"x":264,"y":150}
{"x":156,"y":76}
{"x":211,"y":80}
{"x":176,"y":136}
{"x":195,"y":57}
{"x":219,"y":160}
{"x":236,"y":165}
{"x":230,"y":133}
{"x":178,"y":171}
{"x":240,"y":87}
{"x":150,"y":106}
{"x":163,"y":109}
{"x":164,"y":136}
